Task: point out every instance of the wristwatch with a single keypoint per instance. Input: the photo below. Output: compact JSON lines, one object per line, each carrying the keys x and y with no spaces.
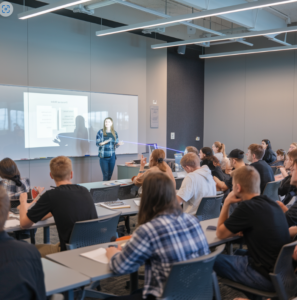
{"x":141,"y":171}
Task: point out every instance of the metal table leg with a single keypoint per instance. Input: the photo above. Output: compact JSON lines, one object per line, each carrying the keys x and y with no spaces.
{"x":46,"y":235}
{"x":133,"y":282}
{"x":71,"y":295}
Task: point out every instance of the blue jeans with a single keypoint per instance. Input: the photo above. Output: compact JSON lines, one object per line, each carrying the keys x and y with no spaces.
{"x":238,"y":269}
{"x":107,"y":166}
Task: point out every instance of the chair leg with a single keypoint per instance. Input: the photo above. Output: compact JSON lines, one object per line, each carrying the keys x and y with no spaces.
{"x":216,"y":287}
{"x":127,"y":224}
{"x":32,"y":235}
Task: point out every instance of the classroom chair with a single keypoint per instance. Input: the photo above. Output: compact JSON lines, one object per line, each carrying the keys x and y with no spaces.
{"x":271,"y":190}
{"x":192,"y":279}
{"x":178,"y":182}
{"x":127,"y":192}
{"x":283,"y":277}
{"x":93,"y":232}
{"x":209,"y":207}
{"x":276,"y":170}
{"x":105,"y":194}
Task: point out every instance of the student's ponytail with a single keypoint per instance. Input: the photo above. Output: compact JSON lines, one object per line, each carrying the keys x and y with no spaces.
{"x":223,"y":150}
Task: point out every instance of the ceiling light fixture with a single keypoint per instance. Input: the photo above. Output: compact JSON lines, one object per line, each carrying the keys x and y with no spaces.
{"x":193,"y":16}
{"x":48,"y":8}
{"x":263,"y":50}
{"x":227,"y":37}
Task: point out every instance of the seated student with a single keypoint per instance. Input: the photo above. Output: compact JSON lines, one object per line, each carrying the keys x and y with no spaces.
{"x":280,"y":158}
{"x":205,"y":152}
{"x":236,"y":161}
{"x":14,"y":185}
{"x":11,"y":180}
{"x":164,"y":235}
{"x":254,"y":155}
{"x":190,"y":149}
{"x":156,"y":164}
{"x":226,"y":168}
{"x":287,"y":190}
{"x":269,"y":155}
{"x":292,"y":147}
{"x":291,"y":213}
{"x":67,"y":203}
{"x":219,"y":150}
{"x":263,"y":226}
{"x":197,"y":184}
{"x":20,"y":264}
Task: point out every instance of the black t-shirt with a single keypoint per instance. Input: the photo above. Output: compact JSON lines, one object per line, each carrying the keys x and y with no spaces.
{"x":265,"y":171}
{"x":265,"y":231}
{"x":228,"y":183}
{"x":291,"y":215}
{"x":21,"y":270}
{"x":68,"y":204}
{"x":217,"y":171}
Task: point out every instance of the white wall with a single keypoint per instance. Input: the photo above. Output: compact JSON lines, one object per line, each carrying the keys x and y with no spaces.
{"x":251,"y":97}
{"x":58,"y":52}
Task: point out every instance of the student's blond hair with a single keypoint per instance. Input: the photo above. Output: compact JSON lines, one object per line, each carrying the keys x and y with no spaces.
{"x":248,"y":178}
{"x":190,"y":160}
{"x":61,"y":168}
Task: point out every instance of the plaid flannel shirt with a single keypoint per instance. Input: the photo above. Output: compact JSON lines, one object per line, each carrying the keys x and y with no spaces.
{"x":109,"y":149}
{"x":13,"y":190}
{"x":166,"y":239}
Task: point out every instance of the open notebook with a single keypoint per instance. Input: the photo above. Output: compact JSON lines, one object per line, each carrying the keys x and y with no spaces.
{"x":114,"y":204}
{"x":98,"y":255}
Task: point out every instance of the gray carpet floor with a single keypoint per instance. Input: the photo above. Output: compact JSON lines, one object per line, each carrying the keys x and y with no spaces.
{"x":117,"y":285}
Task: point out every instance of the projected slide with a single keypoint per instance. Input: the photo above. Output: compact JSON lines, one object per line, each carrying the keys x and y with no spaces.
{"x":41,"y":122}
{"x":52,"y":118}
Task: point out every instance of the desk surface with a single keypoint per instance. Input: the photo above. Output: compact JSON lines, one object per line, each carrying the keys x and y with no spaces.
{"x":101,"y":211}
{"x":99,"y":271}
{"x":211,"y":236}
{"x":101,"y":184}
{"x":58,"y":278}
{"x":104,"y":212}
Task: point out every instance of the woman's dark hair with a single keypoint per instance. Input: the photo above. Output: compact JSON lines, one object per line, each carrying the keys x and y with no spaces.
{"x":211,"y":162}
{"x":207,"y":151}
{"x":9,"y":170}
{"x":267,"y":142}
{"x":158,"y":196}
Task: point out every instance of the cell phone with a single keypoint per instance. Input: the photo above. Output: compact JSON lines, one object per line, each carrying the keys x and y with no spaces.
{"x":210,"y":227}
{"x":109,"y":246}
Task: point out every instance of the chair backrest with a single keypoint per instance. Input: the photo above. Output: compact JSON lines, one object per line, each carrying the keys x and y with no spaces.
{"x":192,"y":279}
{"x":283,"y":276}
{"x":271,"y":190}
{"x":209,"y":207}
{"x":178,"y":182}
{"x":93,"y":232}
{"x":275,"y":170}
{"x":105,"y":194}
{"x":127,"y":192}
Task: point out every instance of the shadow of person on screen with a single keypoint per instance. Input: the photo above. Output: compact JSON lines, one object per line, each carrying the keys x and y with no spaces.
{"x":76,"y":141}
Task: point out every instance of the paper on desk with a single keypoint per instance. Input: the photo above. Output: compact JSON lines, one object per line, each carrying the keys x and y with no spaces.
{"x":12,"y":223}
{"x":137,"y":202}
{"x":98,"y":255}
{"x":11,"y":215}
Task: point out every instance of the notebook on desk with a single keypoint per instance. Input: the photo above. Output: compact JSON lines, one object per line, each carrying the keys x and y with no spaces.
{"x":98,"y":255}
{"x":114,"y":204}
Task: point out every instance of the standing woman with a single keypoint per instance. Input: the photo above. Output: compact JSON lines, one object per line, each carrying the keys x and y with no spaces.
{"x":269,"y":155}
{"x":107,"y":140}
{"x":219,"y":150}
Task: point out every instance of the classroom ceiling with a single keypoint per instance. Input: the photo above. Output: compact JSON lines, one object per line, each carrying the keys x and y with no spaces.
{"x":137,"y":11}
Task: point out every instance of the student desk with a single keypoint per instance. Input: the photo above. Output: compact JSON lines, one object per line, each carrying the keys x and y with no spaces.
{"x":101,"y":211}
{"x":99,"y":271}
{"x":45,"y":224}
{"x":101,"y":184}
{"x":58,"y":279}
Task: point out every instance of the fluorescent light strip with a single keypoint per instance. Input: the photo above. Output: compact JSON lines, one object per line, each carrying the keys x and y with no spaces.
{"x":227,"y":37}
{"x":263,"y":50}
{"x":199,"y":15}
{"x":48,"y":8}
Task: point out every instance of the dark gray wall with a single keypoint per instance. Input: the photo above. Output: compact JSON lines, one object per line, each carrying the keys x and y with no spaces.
{"x":185,"y":99}
{"x":251,"y":97}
